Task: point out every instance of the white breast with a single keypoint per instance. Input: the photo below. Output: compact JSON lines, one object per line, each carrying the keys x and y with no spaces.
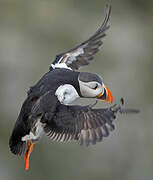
{"x":66,"y":94}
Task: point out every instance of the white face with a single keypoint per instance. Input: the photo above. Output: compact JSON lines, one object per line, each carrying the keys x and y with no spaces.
{"x":91,"y":89}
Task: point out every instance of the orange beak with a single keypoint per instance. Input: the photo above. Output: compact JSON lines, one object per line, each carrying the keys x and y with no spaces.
{"x":106,"y":96}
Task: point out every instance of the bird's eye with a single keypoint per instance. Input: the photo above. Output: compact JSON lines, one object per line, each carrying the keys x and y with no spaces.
{"x":95,"y":87}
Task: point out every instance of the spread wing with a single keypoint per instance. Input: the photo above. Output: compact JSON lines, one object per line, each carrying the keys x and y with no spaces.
{"x":84,"y":52}
{"x":81,"y":123}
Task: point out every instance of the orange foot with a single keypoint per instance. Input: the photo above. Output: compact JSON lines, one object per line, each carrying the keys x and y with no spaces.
{"x":27,"y":154}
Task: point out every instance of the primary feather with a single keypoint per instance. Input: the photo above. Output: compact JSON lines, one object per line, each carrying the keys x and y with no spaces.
{"x":84,"y":52}
{"x":83,"y":123}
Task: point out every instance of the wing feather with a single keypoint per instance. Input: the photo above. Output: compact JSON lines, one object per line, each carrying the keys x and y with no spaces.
{"x":84,"y":52}
{"x":81,"y":123}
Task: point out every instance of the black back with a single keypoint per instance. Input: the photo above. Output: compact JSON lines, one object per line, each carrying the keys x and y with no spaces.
{"x":48,"y":102}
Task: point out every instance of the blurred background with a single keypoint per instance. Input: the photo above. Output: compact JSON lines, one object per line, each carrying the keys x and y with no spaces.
{"x":32,"y":32}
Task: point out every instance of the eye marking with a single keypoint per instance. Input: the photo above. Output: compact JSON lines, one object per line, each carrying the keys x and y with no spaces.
{"x":95,"y":87}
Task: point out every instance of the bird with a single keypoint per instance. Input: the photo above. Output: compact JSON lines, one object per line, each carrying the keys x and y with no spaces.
{"x":49,"y":110}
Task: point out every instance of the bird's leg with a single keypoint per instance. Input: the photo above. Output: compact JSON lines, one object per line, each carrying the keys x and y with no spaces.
{"x":27,"y":154}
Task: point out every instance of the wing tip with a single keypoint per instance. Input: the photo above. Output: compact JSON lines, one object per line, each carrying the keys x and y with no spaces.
{"x":107,"y":12}
{"x":108,"y":8}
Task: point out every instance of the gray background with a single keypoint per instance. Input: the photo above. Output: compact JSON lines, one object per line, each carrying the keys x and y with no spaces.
{"x":32,"y":32}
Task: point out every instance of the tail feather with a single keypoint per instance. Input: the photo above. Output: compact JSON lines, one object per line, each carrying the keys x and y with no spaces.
{"x":17,"y":146}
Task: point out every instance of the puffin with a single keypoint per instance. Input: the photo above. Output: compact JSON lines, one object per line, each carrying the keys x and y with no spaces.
{"x":48,"y":108}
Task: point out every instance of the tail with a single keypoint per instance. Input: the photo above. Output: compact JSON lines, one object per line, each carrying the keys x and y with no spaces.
{"x":17,"y":146}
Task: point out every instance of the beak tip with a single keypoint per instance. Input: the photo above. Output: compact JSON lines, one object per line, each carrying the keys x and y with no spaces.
{"x":106,"y":96}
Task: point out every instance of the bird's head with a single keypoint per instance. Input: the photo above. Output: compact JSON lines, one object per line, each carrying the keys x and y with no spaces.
{"x":92,"y":86}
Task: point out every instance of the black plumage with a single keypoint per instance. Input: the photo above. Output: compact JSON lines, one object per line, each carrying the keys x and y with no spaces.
{"x":66,"y":122}
{"x":83,"y":123}
{"x":41,"y":100}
